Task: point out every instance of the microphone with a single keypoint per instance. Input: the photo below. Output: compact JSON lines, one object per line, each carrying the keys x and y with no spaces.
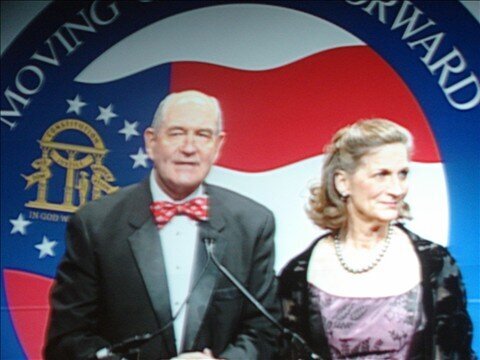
{"x":126,"y":347}
{"x":129,"y":345}
{"x":295,"y":338}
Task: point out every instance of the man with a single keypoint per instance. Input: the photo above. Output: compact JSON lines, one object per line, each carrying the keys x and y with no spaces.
{"x":128,"y":272}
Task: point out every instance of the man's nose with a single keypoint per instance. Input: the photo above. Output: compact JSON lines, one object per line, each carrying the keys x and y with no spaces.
{"x":189,"y":144}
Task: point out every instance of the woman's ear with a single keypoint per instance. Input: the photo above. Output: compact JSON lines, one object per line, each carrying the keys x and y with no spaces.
{"x":341,"y":183}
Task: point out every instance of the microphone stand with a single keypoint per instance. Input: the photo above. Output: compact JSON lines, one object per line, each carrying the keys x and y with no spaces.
{"x":131,"y":345}
{"x":295,"y":339}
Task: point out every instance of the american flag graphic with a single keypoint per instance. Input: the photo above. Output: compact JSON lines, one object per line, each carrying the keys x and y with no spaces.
{"x":287,"y":74}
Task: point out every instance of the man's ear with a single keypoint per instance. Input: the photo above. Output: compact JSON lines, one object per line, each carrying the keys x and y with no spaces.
{"x":220,"y":140}
{"x":149,"y":139}
{"x":341,"y":183}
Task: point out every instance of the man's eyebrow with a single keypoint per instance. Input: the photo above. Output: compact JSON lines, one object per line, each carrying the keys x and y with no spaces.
{"x":179,"y":127}
{"x":175,"y":127}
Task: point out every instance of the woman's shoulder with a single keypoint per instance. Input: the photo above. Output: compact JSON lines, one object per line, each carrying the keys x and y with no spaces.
{"x":434,"y":256}
{"x":422,"y":244}
{"x":295,"y":270}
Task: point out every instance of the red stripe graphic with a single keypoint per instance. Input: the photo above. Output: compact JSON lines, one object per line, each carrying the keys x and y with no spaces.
{"x":284,"y":115}
{"x":27,"y":297}
{"x":306,"y":101}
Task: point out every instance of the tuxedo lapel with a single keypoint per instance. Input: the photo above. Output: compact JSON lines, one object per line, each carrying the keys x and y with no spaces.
{"x":205,"y":274}
{"x":147,"y":251}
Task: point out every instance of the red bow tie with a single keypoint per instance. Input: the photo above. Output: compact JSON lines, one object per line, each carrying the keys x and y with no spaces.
{"x":163,"y":211}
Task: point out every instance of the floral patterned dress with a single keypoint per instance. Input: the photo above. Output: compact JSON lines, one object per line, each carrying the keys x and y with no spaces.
{"x":445,"y":333}
{"x":370,"y":328}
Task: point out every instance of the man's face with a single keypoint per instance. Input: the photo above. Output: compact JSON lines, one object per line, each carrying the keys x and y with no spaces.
{"x":184,"y":147}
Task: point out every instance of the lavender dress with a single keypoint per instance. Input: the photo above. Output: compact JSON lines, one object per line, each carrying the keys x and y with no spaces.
{"x":370,"y":328}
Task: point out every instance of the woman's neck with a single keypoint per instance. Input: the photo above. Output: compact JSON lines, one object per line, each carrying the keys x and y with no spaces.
{"x":363,"y":235}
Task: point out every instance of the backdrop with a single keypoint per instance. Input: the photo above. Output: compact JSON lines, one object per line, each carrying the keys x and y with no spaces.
{"x":81,"y":82}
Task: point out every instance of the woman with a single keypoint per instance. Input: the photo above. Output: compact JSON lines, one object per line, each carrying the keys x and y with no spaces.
{"x":370,"y":288}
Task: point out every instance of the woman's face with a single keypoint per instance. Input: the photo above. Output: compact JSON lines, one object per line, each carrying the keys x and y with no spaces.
{"x":379,"y":184}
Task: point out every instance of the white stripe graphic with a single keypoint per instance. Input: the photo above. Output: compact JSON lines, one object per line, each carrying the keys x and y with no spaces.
{"x":239,"y":36}
{"x":259,"y":37}
{"x":285,"y":191}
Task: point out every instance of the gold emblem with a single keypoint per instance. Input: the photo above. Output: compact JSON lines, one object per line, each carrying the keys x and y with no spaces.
{"x":86,"y":178}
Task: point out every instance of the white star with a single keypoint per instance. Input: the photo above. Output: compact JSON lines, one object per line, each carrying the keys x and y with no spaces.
{"x":129,"y":129}
{"x":140,"y":159}
{"x":19,"y":225}
{"x":75,"y":105}
{"x":106,"y":114}
{"x":46,"y":248}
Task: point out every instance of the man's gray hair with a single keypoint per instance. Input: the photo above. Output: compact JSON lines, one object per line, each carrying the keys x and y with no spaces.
{"x":187,"y":96}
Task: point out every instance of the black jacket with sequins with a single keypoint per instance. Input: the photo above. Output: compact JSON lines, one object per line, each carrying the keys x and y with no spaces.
{"x":448,"y":330}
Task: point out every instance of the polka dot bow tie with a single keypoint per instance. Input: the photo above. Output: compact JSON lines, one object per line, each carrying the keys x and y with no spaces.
{"x":163,"y":211}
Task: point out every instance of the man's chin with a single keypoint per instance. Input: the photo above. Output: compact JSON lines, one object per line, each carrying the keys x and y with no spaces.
{"x":188,"y":185}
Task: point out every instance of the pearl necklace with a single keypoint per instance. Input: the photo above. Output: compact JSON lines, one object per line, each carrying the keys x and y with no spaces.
{"x":338,"y":252}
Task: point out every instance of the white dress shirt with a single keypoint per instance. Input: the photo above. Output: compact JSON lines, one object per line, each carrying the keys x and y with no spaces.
{"x":178,"y":239}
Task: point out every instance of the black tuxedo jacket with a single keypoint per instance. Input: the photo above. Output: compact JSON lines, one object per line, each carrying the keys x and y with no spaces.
{"x":111,"y":283}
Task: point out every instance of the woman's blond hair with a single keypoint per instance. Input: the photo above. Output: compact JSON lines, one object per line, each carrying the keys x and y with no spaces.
{"x":326,"y":207}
